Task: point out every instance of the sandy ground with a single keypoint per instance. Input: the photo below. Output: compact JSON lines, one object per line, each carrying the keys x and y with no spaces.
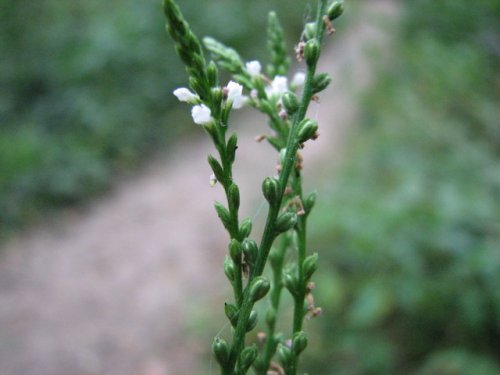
{"x":125,"y":287}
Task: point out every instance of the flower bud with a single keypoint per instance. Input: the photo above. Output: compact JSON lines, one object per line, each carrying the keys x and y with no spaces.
{"x":217,"y":96}
{"x":309,"y":30}
{"x":235,"y":251}
{"x":290,"y":102}
{"x":216,"y":168}
{"x":212,"y":74}
{"x":285,"y":222}
{"x":246,"y":227}
{"x":284,"y":355}
{"x":309,"y":202}
{"x":223,"y":214}
{"x":252,"y":320}
{"x":321,"y":82}
{"x":311,"y":52}
{"x":220,"y":350}
{"x":271,"y":190}
{"x":266,"y":107}
{"x":291,"y":282}
{"x":271,"y":317}
{"x":232,"y":145}
{"x":231,"y":312}
{"x":196,"y":86}
{"x":233,"y":196}
{"x":310,"y":265}
{"x":229,"y":269}
{"x":247,"y":357}
{"x":299,"y":342}
{"x":259,"y":288}
{"x":251,"y":250}
{"x":335,"y":10}
{"x":307,"y":130}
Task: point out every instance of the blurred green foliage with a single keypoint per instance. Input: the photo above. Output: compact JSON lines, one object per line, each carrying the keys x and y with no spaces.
{"x":86,"y":90}
{"x":411,"y":232}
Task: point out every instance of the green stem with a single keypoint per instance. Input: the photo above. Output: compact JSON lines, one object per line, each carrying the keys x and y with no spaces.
{"x":270,"y":345}
{"x":269,"y":230}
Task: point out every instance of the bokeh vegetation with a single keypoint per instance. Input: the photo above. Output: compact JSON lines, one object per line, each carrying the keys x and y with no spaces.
{"x":86,"y":91}
{"x":411,"y":232}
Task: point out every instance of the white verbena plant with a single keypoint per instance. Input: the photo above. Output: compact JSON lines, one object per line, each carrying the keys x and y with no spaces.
{"x":285,"y":102}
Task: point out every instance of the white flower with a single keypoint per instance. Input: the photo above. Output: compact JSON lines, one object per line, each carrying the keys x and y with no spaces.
{"x":279,"y":85}
{"x":201,"y":114}
{"x":184,"y":95}
{"x":234,"y":94}
{"x":213,"y":180}
{"x":253,"y":68}
{"x":298,"y":79}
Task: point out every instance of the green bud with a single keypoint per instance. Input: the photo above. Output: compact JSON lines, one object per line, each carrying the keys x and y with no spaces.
{"x":216,"y":168}
{"x":248,"y":357}
{"x":290,"y":102}
{"x":235,"y":251}
{"x":309,"y":202}
{"x":231,"y":312}
{"x":246,"y":227}
{"x":308,"y":129}
{"x":229,"y":269}
{"x":285,"y":222}
{"x":309,"y":30}
{"x":310,"y":265}
{"x":259,"y":85}
{"x":251,"y":250}
{"x":267,"y":107}
{"x":291,"y":282}
{"x":223,"y":214}
{"x":335,"y":10}
{"x":217,"y":96}
{"x":321,"y":82}
{"x":299,"y":342}
{"x":196,"y":86}
{"x":252,"y":320}
{"x":233,"y":196}
{"x":232,"y":145}
{"x":311,"y":52}
{"x":271,"y":317}
{"x":284,"y":355}
{"x":220,"y":350}
{"x":227,"y":57}
{"x":259,"y":288}
{"x":271,"y":190}
{"x":212,"y":74}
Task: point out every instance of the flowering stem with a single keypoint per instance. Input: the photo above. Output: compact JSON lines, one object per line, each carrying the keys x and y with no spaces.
{"x":213,"y":105}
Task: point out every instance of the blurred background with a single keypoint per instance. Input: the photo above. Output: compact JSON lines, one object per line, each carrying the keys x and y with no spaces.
{"x":110,"y":254}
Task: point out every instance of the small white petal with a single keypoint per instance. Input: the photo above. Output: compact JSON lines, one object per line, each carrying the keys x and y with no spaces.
{"x":234,"y":90}
{"x":184,"y":95}
{"x":239,"y":101}
{"x":201,"y":114}
{"x":298,"y":79}
{"x":253,"y":68}
{"x":213,"y":180}
{"x":279,"y":85}
{"x":234,"y":94}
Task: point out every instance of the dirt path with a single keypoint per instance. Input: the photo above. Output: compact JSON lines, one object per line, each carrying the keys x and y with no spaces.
{"x":124,"y":288}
